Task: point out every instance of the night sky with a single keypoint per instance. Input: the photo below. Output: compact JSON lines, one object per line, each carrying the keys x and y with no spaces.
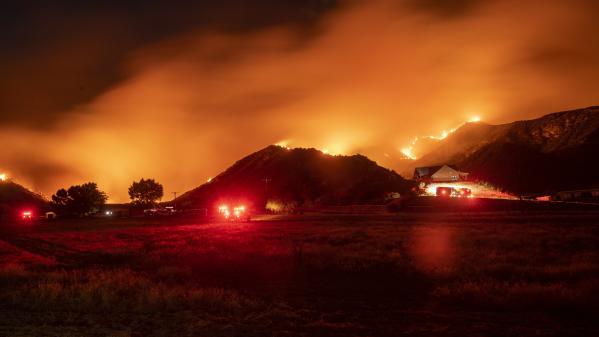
{"x":119,"y":90}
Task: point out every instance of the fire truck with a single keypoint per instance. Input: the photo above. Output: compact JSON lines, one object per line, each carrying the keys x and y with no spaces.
{"x":446,"y":191}
{"x":237,"y":213}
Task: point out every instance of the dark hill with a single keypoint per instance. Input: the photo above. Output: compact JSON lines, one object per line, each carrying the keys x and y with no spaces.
{"x":555,"y":152}
{"x":300,"y":176}
{"x":14,"y":198}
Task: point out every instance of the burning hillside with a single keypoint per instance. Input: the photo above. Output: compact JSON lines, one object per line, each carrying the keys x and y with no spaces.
{"x":423,"y":144}
{"x":554,"y":152}
{"x":15,"y":198}
{"x":299,"y":176}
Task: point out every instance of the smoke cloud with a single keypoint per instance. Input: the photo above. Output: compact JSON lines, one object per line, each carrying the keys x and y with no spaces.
{"x":368,"y":78}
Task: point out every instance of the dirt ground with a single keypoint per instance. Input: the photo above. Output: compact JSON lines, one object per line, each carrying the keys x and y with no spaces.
{"x":442,"y":274}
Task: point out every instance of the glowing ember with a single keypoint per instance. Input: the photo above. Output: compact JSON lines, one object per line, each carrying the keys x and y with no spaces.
{"x":335,"y":147}
{"x":408,"y":152}
{"x":284,"y":144}
{"x":443,"y":135}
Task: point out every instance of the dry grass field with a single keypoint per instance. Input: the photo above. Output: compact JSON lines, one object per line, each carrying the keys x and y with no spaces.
{"x":443,"y":274}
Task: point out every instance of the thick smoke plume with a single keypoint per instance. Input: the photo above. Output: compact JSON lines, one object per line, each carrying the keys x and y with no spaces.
{"x":369,"y":78}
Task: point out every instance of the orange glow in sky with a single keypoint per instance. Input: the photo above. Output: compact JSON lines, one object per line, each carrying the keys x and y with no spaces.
{"x":474,"y":119}
{"x":368,"y":78}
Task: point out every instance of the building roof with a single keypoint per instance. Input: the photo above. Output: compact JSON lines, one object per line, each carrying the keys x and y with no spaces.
{"x":428,"y":171}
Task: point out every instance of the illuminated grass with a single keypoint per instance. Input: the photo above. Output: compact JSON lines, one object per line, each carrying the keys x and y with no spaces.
{"x":314,"y":275}
{"x":118,"y":290}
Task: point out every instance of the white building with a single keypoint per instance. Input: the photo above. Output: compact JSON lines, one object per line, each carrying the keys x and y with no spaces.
{"x":441,"y":173}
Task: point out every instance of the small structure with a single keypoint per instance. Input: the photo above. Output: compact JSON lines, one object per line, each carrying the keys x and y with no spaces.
{"x":440,"y":173}
{"x":576,"y":195}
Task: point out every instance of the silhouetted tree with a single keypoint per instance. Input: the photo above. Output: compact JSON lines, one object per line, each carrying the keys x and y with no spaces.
{"x":145,"y":192}
{"x":79,"y":200}
{"x":60,"y":200}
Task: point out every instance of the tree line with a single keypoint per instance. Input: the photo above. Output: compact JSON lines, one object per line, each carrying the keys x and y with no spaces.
{"x":87,"y":199}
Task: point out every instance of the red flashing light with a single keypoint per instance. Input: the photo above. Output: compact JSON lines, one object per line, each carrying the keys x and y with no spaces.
{"x":237,"y":213}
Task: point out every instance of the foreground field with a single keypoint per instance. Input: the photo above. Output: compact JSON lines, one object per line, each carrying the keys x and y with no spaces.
{"x":485,"y":274}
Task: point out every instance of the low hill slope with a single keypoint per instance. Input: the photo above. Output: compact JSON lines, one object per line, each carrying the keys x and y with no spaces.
{"x":300,"y":176}
{"x":14,"y":197}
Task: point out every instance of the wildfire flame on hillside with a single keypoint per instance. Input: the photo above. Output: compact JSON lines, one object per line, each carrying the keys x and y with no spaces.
{"x":334,"y":149}
{"x":284,"y":144}
{"x":409,"y":151}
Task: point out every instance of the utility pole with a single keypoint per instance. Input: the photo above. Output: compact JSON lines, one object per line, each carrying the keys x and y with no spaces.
{"x":175,"y":200}
{"x":266,"y":181}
